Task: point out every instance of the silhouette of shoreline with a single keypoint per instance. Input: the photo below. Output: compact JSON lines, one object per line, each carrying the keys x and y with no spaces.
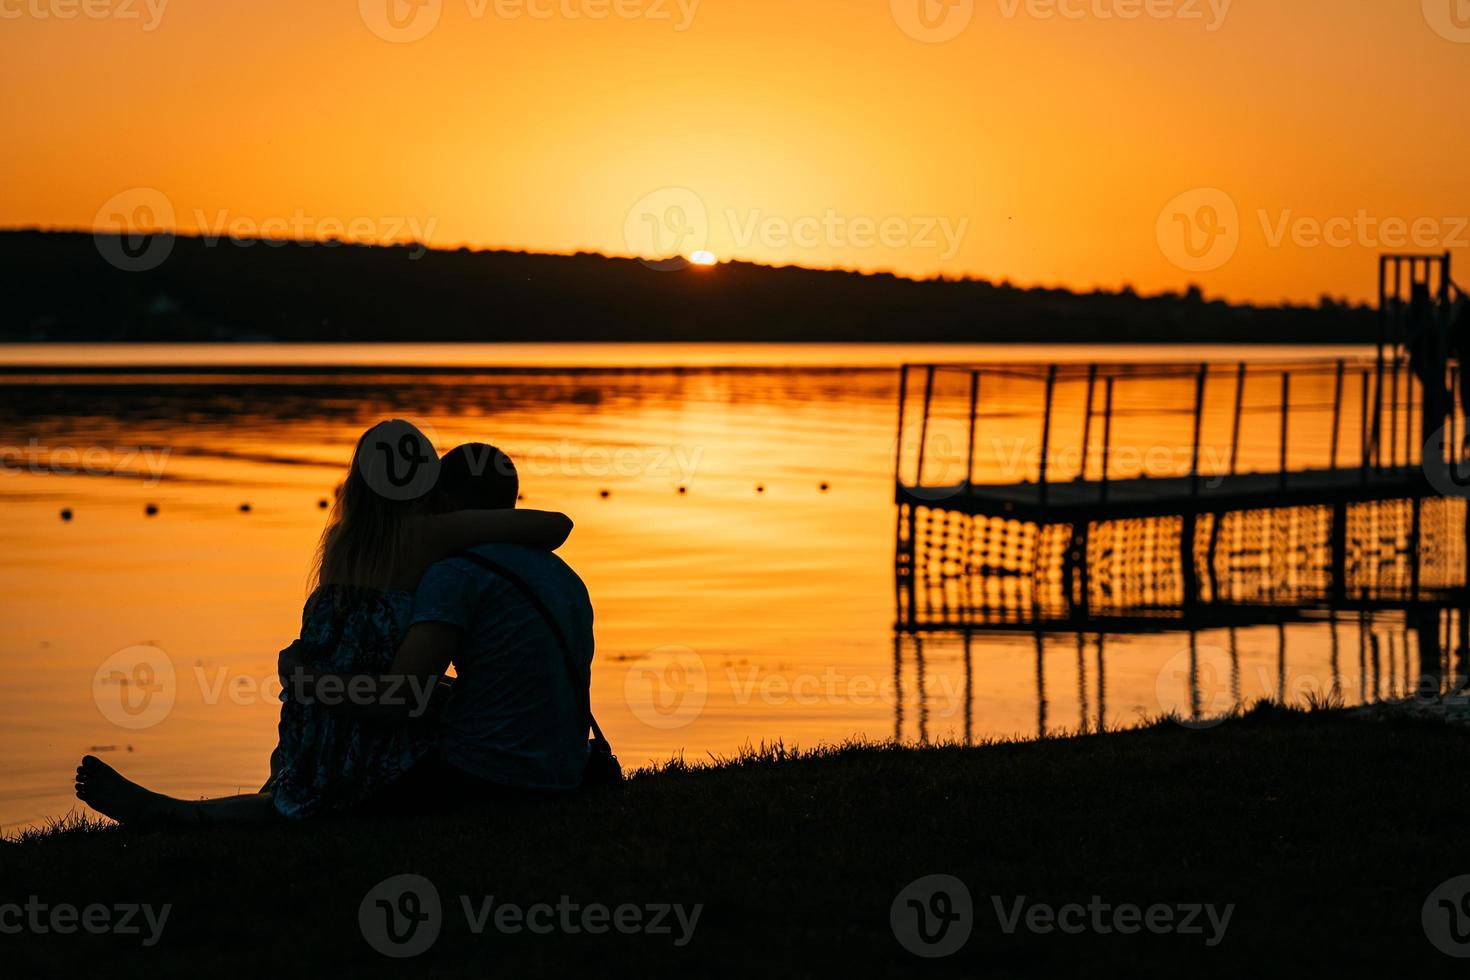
{"x":843,"y":830}
{"x":59,"y":287}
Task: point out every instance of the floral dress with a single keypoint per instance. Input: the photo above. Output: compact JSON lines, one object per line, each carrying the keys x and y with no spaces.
{"x":326,"y":761}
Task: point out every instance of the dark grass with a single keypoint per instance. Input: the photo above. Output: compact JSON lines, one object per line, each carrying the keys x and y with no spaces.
{"x":1327,"y":832}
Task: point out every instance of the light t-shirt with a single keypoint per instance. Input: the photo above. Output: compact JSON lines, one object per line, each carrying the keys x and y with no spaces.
{"x":515,"y":715}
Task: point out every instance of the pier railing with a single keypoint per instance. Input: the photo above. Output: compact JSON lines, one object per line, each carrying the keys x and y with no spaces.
{"x":1092,"y":427}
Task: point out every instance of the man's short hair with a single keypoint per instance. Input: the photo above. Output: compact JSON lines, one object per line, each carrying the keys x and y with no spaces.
{"x":477,"y":476}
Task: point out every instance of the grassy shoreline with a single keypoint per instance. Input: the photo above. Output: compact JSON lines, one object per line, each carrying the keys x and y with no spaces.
{"x":1325,"y":832}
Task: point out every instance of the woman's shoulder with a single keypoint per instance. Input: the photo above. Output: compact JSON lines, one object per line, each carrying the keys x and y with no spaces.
{"x":336,"y":598}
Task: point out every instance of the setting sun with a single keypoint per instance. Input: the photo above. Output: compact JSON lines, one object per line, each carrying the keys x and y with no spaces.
{"x":703,"y":257}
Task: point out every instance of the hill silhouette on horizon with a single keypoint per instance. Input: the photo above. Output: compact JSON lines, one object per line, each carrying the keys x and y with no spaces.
{"x":59,"y":286}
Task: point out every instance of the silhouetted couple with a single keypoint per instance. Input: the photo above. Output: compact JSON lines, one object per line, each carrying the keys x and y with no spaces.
{"x":424,"y":562}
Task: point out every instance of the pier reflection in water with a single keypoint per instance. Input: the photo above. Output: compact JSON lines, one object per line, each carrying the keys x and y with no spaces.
{"x":1198,"y":675}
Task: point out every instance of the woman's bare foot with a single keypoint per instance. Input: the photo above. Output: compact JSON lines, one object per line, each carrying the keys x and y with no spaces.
{"x":105,"y":790}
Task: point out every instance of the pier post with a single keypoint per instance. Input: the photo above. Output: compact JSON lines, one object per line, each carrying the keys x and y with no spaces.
{"x":924,"y":425}
{"x":1339,"y":551}
{"x":903,"y":390}
{"x":1199,"y":409}
{"x":1107,"y":453}
{"x":1079,"y":578}
{"x":974,"y":411}
{"x":1425,"y":621}
{"x":1410,"y":443}
{"x":1364,"y":446}
{"x":1285,"y":418}
{"x":1239,"y":406}
{"x":1393,"y":416}
{"x":1452,"y":426}
{"x":1212,"y":549}
{"x":1417,"y":506}
{"x":1376,"y":438}
{"x":1190,"y":574}
{"x":1336,"y":414}
{"x":1051,"y":384}
{"x":1087,"y":421}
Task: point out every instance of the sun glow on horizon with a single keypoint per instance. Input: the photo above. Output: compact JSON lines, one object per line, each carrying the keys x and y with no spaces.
{"x":1064,"y":181}
{"x":703,"y":257}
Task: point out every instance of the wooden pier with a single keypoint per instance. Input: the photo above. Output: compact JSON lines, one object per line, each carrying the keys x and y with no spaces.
{"x":1134,"y":494}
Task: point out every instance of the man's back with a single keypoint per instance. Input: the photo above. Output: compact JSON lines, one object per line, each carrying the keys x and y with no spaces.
{"x":515,"y":717}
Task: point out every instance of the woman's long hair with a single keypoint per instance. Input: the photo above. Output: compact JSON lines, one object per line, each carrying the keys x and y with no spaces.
{"x":393,"y":469}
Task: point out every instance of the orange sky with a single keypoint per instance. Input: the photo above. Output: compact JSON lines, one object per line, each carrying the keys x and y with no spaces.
{"x":1043,"y":149}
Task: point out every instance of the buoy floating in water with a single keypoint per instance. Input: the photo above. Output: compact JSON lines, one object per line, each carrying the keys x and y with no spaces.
{"x":322,"y":504}
{"x":66,"y":513}
{"x":683,"y":490}
{"x":604,"y":494}
{"x":760,"y":488}
{"x":151,"y":509}
{"x":825,"y":486}
{"x":244,"y":508}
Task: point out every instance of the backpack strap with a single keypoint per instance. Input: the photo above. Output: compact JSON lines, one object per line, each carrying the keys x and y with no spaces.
{"x":530,"y":595}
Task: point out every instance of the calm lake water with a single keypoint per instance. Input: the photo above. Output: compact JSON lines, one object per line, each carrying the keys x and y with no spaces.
{"x":754,"y":606}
